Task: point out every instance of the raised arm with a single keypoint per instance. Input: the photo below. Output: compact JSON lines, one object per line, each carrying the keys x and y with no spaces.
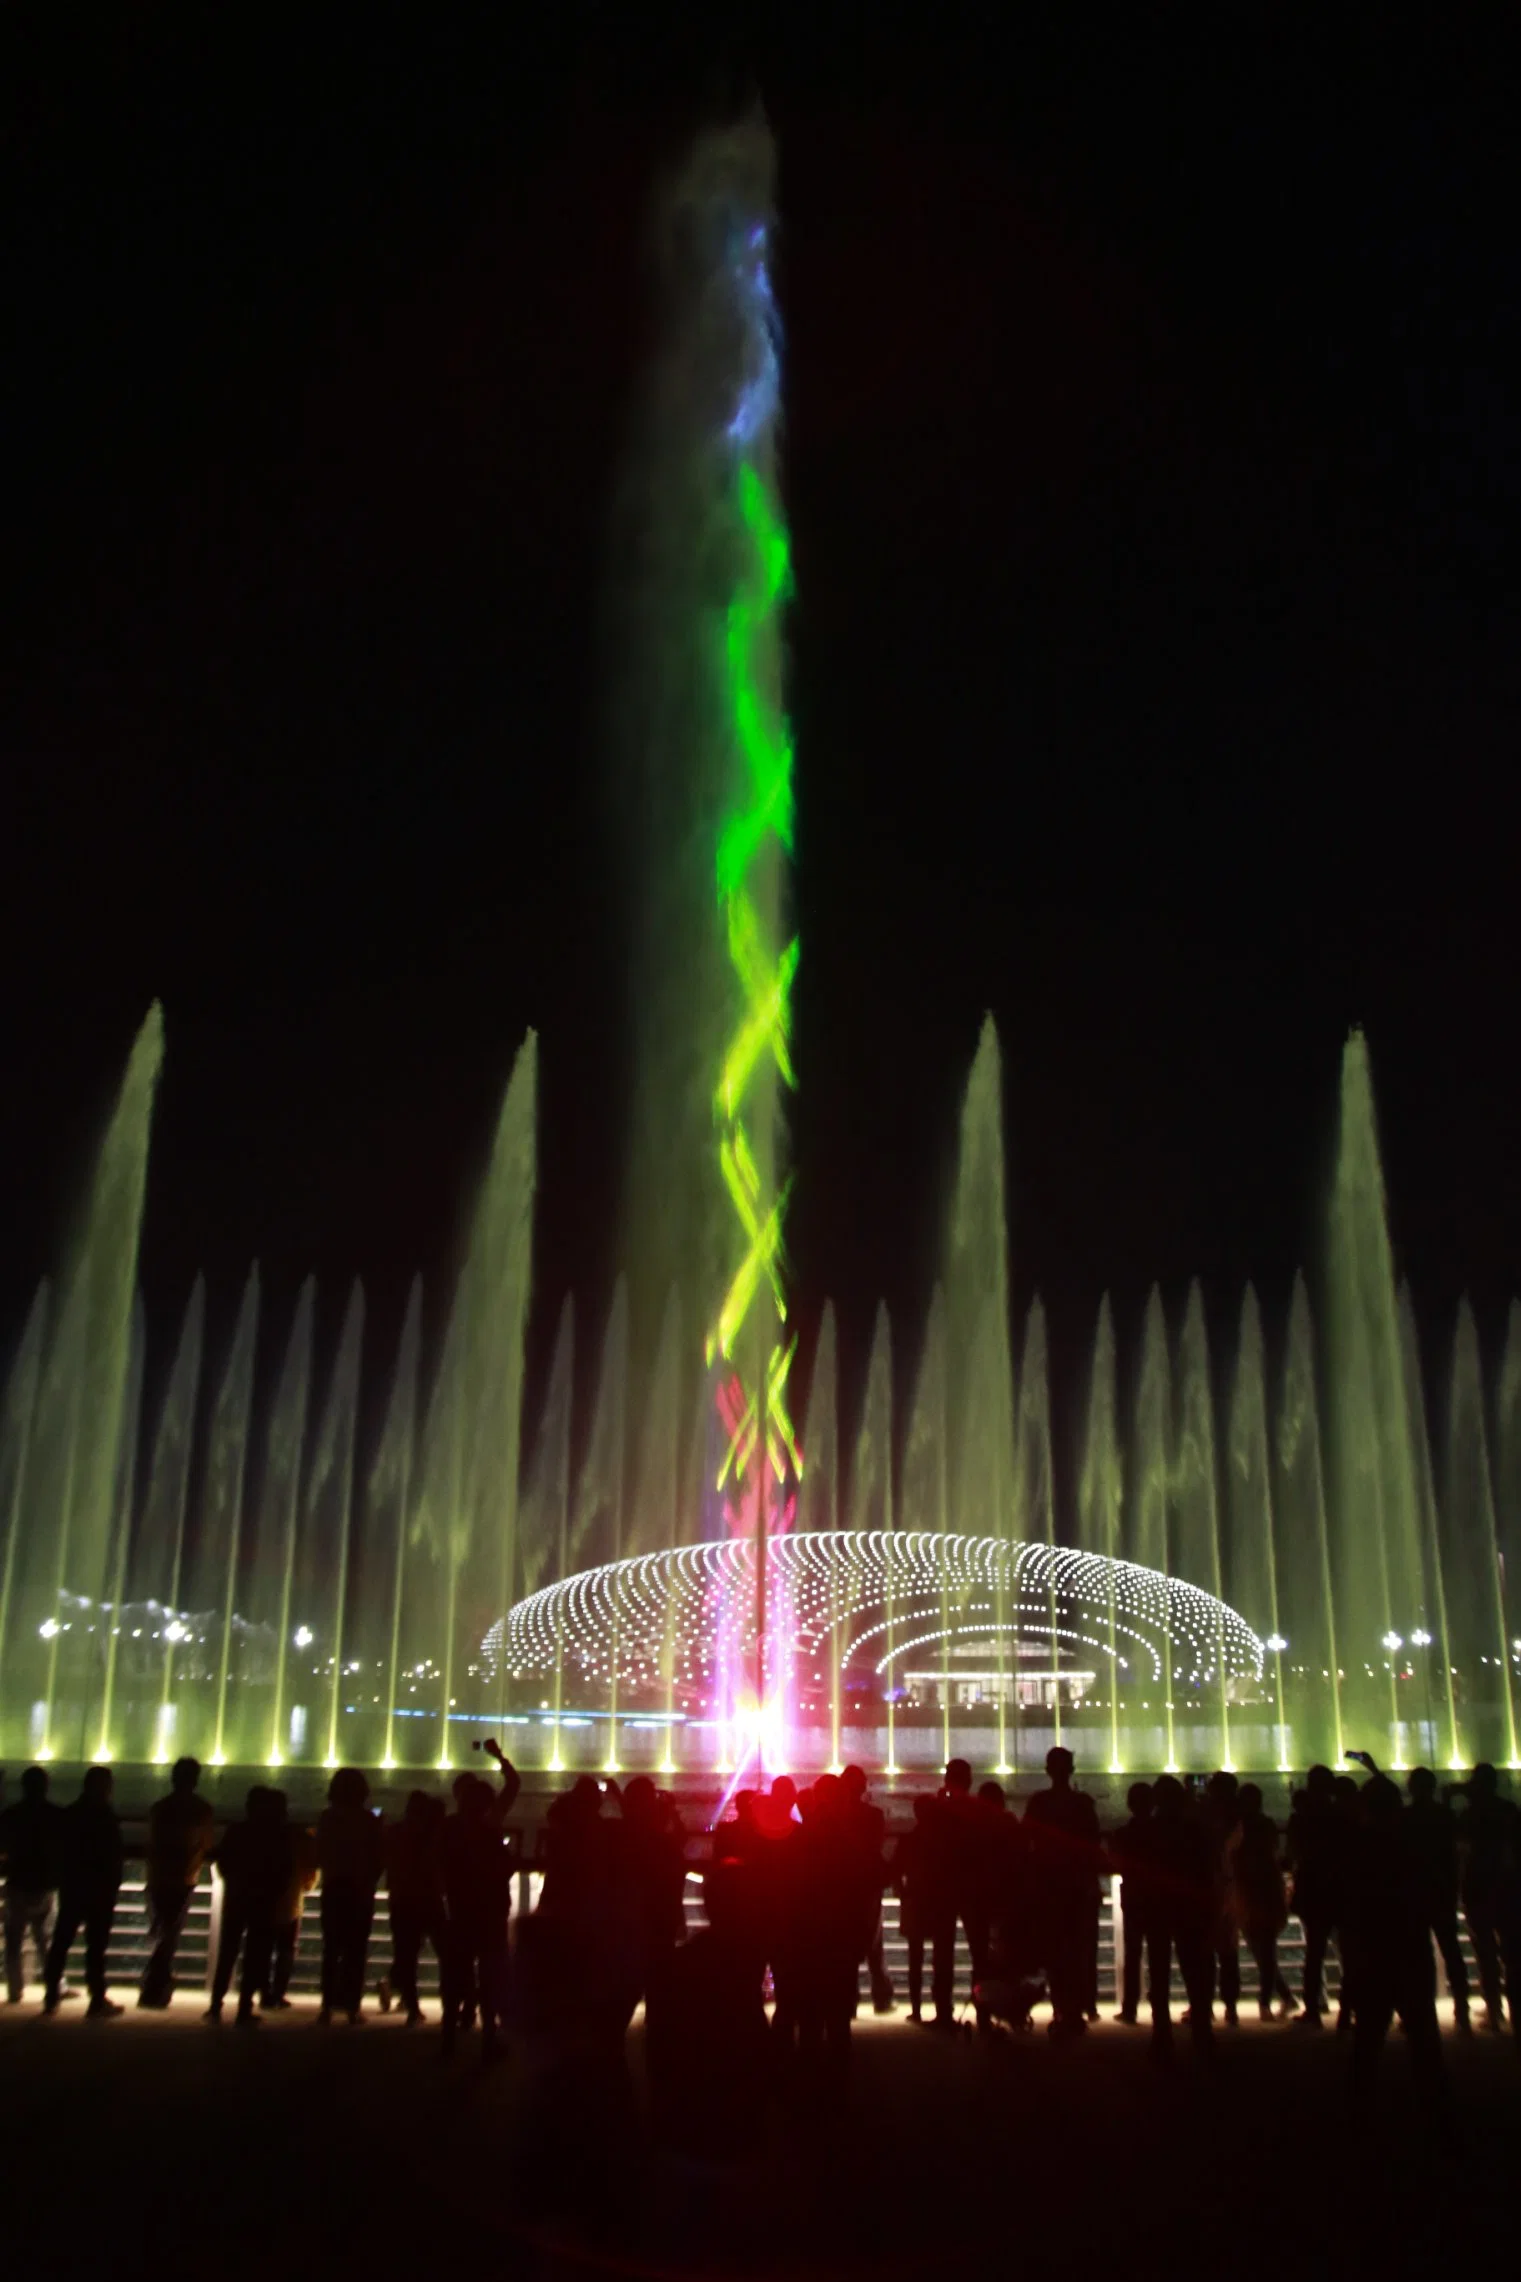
{"x":512,"y":1781}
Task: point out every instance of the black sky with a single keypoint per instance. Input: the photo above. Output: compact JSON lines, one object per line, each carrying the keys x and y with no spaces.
{"x":1154,"y":467}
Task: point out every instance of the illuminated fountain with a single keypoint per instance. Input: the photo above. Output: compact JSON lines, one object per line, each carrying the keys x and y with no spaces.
{"x":1269,"y":1546}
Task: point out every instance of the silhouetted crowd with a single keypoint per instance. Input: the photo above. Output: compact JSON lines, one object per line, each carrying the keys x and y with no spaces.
{"x":793,"y":1883}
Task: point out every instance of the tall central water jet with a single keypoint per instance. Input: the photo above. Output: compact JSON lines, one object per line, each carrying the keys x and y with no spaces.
{"x":711,"y":785}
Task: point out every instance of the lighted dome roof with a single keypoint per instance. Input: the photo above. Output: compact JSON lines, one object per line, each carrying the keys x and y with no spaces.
{"x":677,"y":1617}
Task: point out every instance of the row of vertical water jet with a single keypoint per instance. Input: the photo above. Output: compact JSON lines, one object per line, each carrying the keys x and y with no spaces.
{"x":1225,"y":1486}
{"x":233,"y":1568}
{"x":241,"y":1578}
{"x":1301,"y":1484}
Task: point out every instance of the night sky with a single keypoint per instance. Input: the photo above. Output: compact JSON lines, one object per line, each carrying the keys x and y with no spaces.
{"x":1153,"y":460}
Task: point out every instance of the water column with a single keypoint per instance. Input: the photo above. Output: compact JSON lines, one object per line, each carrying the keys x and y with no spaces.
{"x":606,"y":1471}
{"x":466,"y":1522}
{"x":1035,"y":1502}
{"x":1150,"y":1516}
{"x":821,"y":1506}
{"x":1101,"y":1498}
{"x":1507,"y":1473}
{"x":16,"y":1421}
{"x":79,"y":1414}
{"x":121,"y":1527}
{"x":547,"y":1503}
{"x":1430,"y":1640}
{"x":1252,"y":1569}
{"x":731,"y":384}
{"x":1196,"y":1501}
{"x":330,"y":1495}
{"x":161,"y":1531}
{"x":660,"y":1501}
{"x":871,"y":1505}
{"x":222,"y":1499}
{"x":1481,"y":1632}
{"x":925,"y":1503}
{"x":390,"y":1490}
{"x":280,"y":1499}
{"x":1375,"y":1538}
{"x":704,"y":791}
{"x":1306,"y":1595}
{"x":981,"y":1364}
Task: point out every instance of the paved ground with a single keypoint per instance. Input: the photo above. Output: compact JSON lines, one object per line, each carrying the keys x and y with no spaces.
{"x":290,"y":2151}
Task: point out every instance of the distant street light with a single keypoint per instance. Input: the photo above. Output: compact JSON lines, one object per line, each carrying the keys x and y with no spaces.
{"x":1420,"y":1640}
{"x":1392,"y":1641}
{"x":1276,"y":1642}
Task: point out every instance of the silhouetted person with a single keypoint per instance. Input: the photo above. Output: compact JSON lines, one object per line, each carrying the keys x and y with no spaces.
{"x":1256,"y":1900}
{"x":415,"y":1896}
{"x":1062,"y":1833}
{"x":231,"y":1861}
{"x":913,"y":1875}
{"x":350,"y":1852}
{"x":1002,"y":1912}
{"x":950,"y":1889}
{"x":774,"y":1870}
{"x":31,"y":1840}
{"x":1491,"y":1840}
{"x":1346,"y":1824}
{"x":868,"y":1825}
{"x":1177,"y":1881}
{"x":477,"y":1876}
{"x":1387,"y":1941}
{"x":652,"y":1864}
{"x":837,"y":1895}
{"x":300,"y":1879}
{"x":1432,"y":1835}
{"x":88,"y":1886}
{"x":705,"y":2033}
{"x":181,"y":1835}
{"x":255,"y":1862}
{"x":1125,"y":1848}
{"x":1220,"y":1811}
{"x":1314,"y":1852}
